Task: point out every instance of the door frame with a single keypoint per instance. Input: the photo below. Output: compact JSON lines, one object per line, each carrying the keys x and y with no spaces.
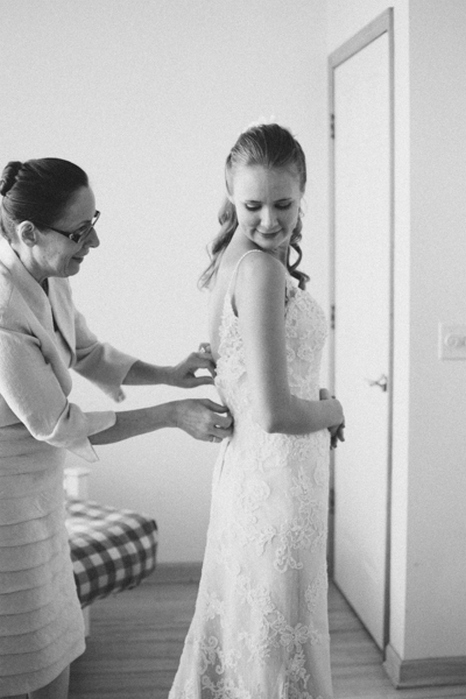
{"x":372,"y":31}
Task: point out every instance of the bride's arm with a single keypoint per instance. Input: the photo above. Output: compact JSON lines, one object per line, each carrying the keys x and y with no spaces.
{"x":259,"y":298}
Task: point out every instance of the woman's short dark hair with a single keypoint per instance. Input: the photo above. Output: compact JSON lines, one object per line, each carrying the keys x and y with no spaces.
{"x":38,"y":189}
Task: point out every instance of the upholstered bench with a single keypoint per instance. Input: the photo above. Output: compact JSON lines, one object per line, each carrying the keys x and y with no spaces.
{"x":112,"y":549}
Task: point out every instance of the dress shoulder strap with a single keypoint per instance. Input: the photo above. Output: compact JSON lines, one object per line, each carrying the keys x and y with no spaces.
{"x":234,"y":274}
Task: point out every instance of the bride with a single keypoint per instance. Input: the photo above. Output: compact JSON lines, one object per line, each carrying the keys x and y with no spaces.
{"x":260,"y":628}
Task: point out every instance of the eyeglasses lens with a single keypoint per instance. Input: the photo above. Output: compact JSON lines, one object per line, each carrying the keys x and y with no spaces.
{"x":84,"y":232}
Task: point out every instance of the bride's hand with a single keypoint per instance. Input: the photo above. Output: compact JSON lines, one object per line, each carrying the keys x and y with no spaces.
{"x":337,"y":432}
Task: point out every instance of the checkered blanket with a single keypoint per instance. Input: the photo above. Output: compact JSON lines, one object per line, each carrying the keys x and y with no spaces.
{"x":112,"y":550}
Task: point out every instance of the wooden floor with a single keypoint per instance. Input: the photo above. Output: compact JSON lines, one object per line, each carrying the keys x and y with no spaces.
{"x":137,"y":636}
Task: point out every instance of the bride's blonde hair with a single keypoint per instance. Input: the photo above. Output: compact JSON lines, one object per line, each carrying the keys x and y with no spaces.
{"x":271,"y":146}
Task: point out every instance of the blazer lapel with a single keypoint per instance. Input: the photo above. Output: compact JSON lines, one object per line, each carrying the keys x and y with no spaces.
{"x":31,"y":291}
{"x":63,"y":310}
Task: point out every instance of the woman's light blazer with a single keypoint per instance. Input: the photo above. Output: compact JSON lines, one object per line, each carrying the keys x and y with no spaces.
{"x":35,"y":381}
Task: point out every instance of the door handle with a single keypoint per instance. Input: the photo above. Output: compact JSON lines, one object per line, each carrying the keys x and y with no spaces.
{"x":381,"y":382}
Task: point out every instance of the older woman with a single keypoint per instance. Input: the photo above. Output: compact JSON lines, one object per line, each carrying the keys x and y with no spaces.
{"x":48,"y":219}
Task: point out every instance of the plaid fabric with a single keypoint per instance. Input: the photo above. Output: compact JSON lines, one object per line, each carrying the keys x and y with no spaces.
{"x":112,"y":550}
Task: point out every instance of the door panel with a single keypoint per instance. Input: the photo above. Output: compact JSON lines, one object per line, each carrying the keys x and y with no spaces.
{"x":362,"y":273}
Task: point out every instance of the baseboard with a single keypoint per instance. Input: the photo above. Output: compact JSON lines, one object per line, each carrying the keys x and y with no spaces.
{"x":424,"y":672}
{"x":176,"y":573}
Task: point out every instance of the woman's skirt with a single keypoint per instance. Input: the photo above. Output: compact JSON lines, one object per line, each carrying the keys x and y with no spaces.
{"x":41,"y":624}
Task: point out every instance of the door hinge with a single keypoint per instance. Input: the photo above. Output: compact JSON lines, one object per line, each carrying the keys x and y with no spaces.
{"x":332,"y":316}
{"x":332,"y":126}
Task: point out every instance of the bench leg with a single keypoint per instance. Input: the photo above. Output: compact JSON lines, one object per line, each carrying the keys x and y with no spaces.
{"x":76,"y":481}
{"x":87,"y":621}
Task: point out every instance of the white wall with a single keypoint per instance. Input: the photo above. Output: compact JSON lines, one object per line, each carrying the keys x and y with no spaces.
{"x":148,"y":96}
{"x":437,"y":479}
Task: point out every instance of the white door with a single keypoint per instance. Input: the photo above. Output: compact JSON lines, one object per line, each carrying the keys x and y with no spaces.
{"x":362,"y":293}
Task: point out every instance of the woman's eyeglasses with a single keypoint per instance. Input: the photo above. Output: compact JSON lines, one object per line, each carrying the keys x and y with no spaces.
{"x":79,"y":234}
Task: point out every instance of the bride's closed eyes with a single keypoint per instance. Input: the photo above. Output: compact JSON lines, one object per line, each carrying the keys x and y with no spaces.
{"x":256,"y":207}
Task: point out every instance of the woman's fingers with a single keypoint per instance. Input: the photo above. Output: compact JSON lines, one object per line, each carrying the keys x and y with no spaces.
{"x":224,"y":417}
{"x":201,"y":360}
{"x":201,"y":381}
{"x":184,"y":373}
{"x":204,"y":419}
{"x":222,"y":420}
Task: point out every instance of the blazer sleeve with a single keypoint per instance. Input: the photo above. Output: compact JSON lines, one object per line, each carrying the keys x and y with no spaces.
{"x":98,"y":361}
{"x":31,"y":392}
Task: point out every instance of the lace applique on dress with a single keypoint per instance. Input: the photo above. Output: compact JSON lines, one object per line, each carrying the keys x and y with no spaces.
{"x":260,"y":629}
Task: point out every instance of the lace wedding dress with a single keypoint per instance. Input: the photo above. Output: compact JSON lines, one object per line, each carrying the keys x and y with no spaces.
{"x":260,"y":628}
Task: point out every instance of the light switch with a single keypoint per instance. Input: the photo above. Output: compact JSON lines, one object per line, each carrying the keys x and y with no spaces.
{"x":452,"y":341}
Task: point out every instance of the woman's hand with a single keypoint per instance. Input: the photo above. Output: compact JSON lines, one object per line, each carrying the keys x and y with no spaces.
{"x":203,"y":419}
{"x":184,"y":374}
{"x":337,"y":432}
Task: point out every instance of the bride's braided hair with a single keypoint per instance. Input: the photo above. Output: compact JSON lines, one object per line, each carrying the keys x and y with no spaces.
{"x":271,"y":146}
